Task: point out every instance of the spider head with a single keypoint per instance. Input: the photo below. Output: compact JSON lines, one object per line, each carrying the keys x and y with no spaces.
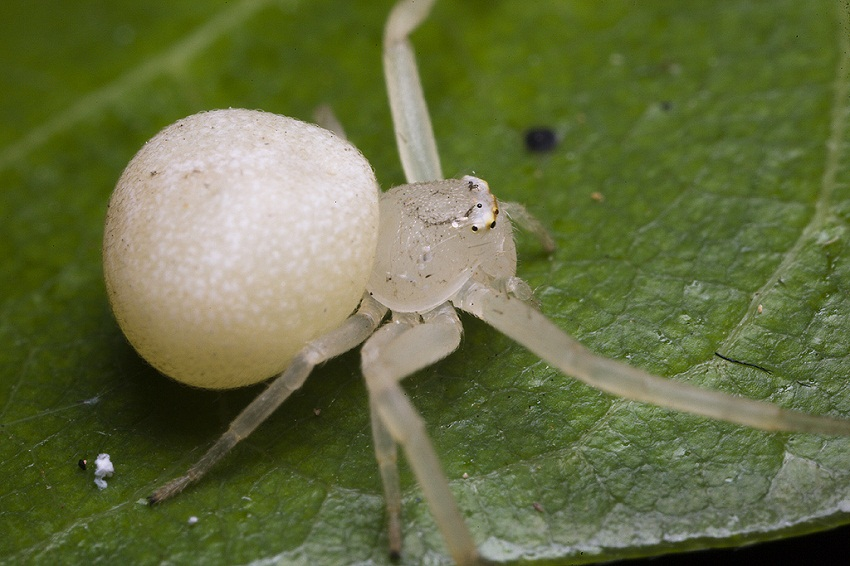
{"x":482,"y":215}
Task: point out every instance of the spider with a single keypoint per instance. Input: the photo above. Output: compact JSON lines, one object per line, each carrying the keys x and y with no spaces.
{"x":223,"y":266}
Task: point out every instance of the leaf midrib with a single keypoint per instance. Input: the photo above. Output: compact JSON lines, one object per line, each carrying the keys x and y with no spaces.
{"x":170,"y":60}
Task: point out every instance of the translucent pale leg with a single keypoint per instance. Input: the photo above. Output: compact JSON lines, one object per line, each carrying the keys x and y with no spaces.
{"x":387,"y":455}
{"x":414,"y":134}
{"x":528,"y":222}
{"x":524,"y":324}
{"x":348,"y":335}
{"x":394,"y":352}
{"x":386,"y":452}
{"x":326,"y":118}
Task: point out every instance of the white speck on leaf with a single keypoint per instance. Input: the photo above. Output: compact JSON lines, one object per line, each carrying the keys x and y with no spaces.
{"x":103,"y":468}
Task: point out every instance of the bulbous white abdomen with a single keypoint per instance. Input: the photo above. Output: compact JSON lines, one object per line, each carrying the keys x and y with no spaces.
{"x":234,"y":237}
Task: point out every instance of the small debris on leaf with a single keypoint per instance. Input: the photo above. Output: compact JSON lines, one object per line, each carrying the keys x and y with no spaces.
{"x":103,"y":468}
{"x":540,"y":139}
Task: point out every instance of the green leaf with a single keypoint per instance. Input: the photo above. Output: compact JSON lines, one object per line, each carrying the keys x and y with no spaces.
{"x":716,"y":136}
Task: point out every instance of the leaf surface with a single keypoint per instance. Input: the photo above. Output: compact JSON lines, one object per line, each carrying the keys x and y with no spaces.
{"x":699,"y":196}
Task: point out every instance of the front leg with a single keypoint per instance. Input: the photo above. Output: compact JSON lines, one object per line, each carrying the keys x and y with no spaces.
{"x":529,"y":327}
{"x":394,"y":352}
{"x":414,"y":134}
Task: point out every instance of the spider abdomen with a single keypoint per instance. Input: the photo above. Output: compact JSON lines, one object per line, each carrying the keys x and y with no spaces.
{"x":234,"y":237}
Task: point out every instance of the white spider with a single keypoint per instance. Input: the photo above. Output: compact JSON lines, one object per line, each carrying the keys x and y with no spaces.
{"x":237,"y":244}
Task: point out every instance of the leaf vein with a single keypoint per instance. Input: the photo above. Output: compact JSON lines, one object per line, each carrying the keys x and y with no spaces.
{"x":175,"y":57}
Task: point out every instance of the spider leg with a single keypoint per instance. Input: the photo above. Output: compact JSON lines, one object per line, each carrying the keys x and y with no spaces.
{"x":414,"y":134}
{"x":386,"y":454}
{"x":392,"y":353}
{"x":348,"y":335}
{"x":528,"y":222}
{"x":527,"y":326}
{"x":325,"y":117}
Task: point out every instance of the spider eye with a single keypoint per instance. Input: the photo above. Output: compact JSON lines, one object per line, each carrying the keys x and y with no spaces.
{"x":493,"y":224}
{"x":479,"y":205}
{"x":475,"y":228}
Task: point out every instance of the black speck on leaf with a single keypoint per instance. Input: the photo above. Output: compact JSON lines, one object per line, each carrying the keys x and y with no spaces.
{"x":540,"y":139}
